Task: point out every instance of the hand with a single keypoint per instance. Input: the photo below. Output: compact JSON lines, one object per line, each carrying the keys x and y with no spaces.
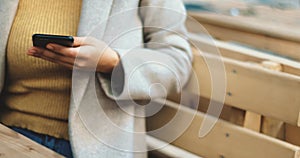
{"x":87,"y":51}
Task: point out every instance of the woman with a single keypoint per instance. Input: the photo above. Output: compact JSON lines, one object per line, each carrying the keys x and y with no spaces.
{"x":35,"y":99}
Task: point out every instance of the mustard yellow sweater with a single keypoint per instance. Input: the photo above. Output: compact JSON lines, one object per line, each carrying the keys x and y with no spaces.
{"x":37,"y":92}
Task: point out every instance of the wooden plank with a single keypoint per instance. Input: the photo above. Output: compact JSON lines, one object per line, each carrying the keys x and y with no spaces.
{"x":281,"y":47}
{"x":225,"y":139}
{"x":243,"y":24}
{"x":286,"y":45}
{"x":253,"y":88}
{"x":292,"y":134}
{"x":243,"y":53}
{"x":15,"y":145}
{"x":237,"y":116}
{"x":229,"y":113}
{"x":167,"y":150}
{"x":252,"y":121}
{"x":272,"y":127}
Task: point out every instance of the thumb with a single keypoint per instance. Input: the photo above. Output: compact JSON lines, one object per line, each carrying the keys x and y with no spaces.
{"x":79,"y":41}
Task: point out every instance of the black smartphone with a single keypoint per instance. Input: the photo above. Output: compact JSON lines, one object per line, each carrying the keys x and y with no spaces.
{"x":41,"y":40}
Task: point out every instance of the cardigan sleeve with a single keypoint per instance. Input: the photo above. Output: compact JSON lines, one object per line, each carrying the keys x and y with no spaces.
{"x":163,"y":66}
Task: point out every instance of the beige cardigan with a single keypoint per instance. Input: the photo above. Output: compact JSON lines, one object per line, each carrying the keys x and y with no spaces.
{"x":95,"y":117}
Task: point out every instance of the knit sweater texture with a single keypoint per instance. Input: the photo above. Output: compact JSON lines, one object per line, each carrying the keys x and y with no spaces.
{"x":36,"y":95}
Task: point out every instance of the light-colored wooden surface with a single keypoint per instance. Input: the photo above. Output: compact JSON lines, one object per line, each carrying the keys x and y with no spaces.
{"x":253,"y":88}
{"x":14,"y":145}
{"x":245,"y":54}
{"x":252,"y":26}
{"x":282,"y":41}
{"x":168,"y":150}
{"x":274,"y":128}
{"x":252,"y":121}
{"x":269,"y":126}
{"x":229,"y":113}
{"x":225,"y":139}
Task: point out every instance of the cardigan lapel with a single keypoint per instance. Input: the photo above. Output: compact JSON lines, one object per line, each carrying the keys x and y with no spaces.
{"x":85,"y":143}
{"x":93,"y":21}
{"x":7,"y":13}
{"x":94,"y":15}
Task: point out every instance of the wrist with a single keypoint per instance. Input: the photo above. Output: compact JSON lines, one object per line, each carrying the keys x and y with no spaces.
{"x":108,"y":61}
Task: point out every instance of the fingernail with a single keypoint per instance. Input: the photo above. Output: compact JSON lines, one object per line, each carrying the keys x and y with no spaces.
{"x":49,"y":46}
{"x":31,"y":51}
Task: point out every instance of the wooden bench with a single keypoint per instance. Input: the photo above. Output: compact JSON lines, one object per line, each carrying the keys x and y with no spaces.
{"x":261,"y":116}
{"x":15,"y":145}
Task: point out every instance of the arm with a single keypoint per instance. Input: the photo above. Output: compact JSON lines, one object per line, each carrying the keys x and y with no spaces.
{"x":162,"y":66}
{"x":166,"y":58}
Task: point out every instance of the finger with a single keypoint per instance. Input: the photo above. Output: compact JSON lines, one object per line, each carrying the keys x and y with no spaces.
{"x":55,"y":56}
{"x":79,"y":41}
{"x":62,"y":50}
{"x":32,"y":50}
{"x":67,"y":65}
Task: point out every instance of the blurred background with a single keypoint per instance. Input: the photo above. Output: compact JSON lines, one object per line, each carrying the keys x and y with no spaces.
{"x":285,"y":12}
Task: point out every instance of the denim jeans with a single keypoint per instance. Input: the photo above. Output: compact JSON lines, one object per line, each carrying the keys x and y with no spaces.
{"x":60,"y":146}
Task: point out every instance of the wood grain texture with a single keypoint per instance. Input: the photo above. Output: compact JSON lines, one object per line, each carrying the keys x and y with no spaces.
{"x":253,"y":88}
{"x":281,"y":41}
{"x":225,"y":139}
{"x":242,"y":24}
{"x":270,"y":126}
{"x":241,"y":53}
{"x":167,"y":150}
{"x":252,"y":121}
{"x":15,"y":145}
